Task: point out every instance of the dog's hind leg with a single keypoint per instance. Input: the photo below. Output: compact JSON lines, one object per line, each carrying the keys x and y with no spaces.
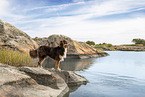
{"x":57,"y":63}
{"x":40,"y":62}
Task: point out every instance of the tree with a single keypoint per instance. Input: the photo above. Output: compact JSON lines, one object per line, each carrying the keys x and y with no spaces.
{"x":90,"y":42}
{"x":138,"y":41}
{"x":104,"y":43}
{"x":36,"y":38}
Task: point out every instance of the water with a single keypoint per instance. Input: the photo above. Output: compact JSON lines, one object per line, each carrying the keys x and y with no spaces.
{"x":122,"y":74}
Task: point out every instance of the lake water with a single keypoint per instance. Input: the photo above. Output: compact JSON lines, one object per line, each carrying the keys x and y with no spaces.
{"x":122,"y":74}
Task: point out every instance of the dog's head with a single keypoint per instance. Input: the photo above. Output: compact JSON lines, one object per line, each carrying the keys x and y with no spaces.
{"x":64,"y":43}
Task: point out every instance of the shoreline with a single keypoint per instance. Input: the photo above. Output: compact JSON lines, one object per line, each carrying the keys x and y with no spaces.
{"x":123,"y":48}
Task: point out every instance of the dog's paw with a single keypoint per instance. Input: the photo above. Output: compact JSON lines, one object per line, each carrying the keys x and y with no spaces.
{"x":58,"y":69}
{"x":39,"y":66}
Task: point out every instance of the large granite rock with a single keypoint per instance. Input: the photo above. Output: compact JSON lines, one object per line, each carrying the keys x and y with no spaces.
{"x":11,"y":37}
{"x":71,"y":78}
{"x":36,"y":82}
{"x":76,"y":49}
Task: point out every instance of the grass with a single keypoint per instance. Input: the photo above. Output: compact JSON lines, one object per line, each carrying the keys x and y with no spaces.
{"x":14,"y":58}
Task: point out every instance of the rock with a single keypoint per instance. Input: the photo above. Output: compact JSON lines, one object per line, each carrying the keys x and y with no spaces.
{"x":71,"y":78}
{"x":35,"y":70}
{"x":52,"y":77}
{"x":125,"y":48}
{"x":36,"y":82}
{"x":12,"y":81}
{"x":131,"y":48}
{"x":44,"y":77}
{"x":15,"y":83}
{"x":13,"y":38}
{"x":10,"y":74}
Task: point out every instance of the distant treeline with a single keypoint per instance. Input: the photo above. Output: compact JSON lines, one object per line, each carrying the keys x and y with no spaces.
{"x":136,"y":41}
{"x":139,"y":41}
{"x":92,"y":43}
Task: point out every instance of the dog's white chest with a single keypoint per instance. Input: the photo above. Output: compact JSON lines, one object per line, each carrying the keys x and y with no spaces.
{"x":65,"y":52}
{"x":64,"y":56}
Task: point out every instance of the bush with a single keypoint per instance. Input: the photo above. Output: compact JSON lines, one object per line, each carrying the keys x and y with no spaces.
{"x":90,"y":42}
{"x":14,"y":58}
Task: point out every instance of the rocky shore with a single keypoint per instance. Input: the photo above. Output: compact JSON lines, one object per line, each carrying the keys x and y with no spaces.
{"x":37,"y":82}
{"x":131,"y":47}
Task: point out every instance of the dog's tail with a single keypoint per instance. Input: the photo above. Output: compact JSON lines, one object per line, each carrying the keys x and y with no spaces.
{"x":33,"y":53}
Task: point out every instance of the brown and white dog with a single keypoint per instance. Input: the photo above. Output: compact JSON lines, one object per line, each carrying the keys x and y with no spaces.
{"x":57,"y":53}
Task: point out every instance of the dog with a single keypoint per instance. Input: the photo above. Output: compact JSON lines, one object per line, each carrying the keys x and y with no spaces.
{"x":57,"y":53}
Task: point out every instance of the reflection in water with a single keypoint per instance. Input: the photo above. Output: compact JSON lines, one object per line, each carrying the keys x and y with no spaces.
{"x":70,"y":64}
{"x":71,"y":89}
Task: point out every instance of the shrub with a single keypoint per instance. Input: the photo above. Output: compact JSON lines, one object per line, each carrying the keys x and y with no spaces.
{"x":90,"y":42}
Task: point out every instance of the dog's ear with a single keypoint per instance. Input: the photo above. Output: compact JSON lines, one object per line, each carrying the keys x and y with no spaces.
{"x":65,"y":42}
{"x":61,"y":43}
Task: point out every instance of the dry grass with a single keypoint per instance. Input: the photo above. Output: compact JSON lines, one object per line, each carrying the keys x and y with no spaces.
{"x":14,"y":58}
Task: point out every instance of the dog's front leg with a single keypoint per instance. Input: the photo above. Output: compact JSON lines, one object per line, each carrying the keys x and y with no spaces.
{"x":57,"y":63}
{"x":39,"y":62}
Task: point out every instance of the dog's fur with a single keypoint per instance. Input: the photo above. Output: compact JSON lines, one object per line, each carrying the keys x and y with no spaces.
{"x":56,"y":53}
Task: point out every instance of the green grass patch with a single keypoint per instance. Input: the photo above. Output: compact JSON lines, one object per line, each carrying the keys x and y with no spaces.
{"x":14,"y":58}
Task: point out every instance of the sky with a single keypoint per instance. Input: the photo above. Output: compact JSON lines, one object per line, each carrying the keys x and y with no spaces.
{"x":109,"y":21}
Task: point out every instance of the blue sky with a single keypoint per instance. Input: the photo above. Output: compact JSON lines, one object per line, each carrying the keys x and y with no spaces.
{"x":110,"y":21}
